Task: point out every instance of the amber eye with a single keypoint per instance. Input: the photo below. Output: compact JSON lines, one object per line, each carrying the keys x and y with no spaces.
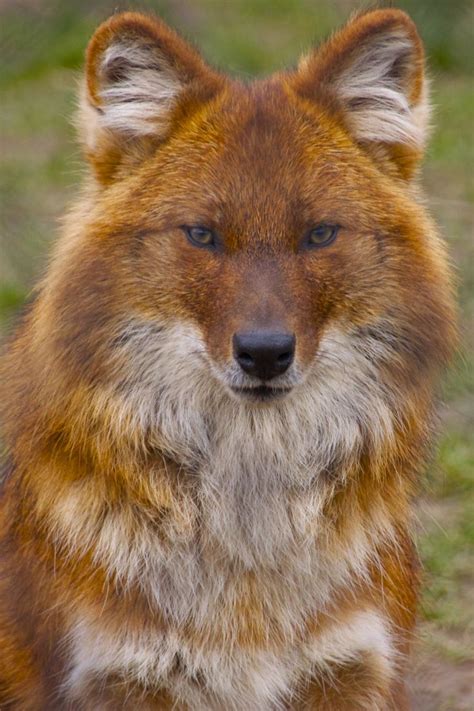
{"x":200,"y":236}
{"x":322,"y":235}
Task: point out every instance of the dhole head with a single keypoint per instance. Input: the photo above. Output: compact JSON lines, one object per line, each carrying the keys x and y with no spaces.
{"x":259,"y":218}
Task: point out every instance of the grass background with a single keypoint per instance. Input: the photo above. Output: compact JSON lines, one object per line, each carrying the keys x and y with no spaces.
{"x":41,"y":51}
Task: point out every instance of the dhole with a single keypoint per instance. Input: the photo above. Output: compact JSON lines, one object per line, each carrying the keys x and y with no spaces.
{"x":218,"y":405}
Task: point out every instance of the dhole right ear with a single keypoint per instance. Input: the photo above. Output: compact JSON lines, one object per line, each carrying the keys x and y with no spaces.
{"x":372,"y":72}
{"x":139,"y":73}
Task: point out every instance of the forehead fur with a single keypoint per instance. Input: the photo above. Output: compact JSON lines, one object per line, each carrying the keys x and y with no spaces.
{"x":260,"y":157}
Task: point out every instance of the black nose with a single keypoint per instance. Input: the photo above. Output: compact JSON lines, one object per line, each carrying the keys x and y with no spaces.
{"x":264,"y":354}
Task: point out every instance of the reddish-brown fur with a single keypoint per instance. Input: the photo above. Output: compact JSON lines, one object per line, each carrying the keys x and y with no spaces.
{"x":260,"y":164}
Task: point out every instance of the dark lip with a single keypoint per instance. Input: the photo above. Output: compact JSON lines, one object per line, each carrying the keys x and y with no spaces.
{"x":262,"y":393}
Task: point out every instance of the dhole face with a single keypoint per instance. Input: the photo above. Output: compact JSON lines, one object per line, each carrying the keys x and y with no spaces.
{"x":304,"y":236}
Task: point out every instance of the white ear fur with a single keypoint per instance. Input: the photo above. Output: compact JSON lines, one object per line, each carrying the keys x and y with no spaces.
{"x":372,"y":73}
{"x":137,"y":88}
{"x":374,"y":91}
{"x":137,"y":72}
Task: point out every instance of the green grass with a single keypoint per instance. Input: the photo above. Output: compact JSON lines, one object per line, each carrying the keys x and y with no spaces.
{"x":245,"y":35}
{"x":455,"y":465}
{"x":42,"y":46}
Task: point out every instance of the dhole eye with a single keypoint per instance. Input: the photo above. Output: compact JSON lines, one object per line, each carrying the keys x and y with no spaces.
{"x":322,"y":235}
{"x":200,"y":236}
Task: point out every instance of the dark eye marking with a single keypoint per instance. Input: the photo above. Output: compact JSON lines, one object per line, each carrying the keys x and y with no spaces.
{"x":321,"y":235}
{"x":200,"y":236}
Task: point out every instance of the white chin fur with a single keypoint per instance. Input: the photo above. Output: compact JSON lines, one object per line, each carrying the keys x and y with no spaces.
{"x":172,"y":391}
{"x":249,"y":457}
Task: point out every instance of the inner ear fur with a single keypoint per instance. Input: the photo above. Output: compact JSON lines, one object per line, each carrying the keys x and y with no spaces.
{"x":371,"y":74}
{"x":140,"y":79}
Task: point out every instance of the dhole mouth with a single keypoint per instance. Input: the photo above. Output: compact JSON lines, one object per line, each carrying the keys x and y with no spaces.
{"x":262,"y":393}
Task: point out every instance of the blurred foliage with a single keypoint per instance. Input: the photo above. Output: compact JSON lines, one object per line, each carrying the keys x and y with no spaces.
{"x":41,"y":50}
{"x":36,"y":37}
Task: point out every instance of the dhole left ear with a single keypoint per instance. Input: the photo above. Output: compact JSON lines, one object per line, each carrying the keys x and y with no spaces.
{"x":139,"y":75}
{"x":371,"y":73}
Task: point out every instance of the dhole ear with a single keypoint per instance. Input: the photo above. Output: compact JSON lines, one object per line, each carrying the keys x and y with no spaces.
{"x":372,"y":71}
{"x":138,"y":71}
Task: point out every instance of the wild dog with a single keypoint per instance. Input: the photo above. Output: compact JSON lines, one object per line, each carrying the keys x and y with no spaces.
{"x":218,"y":405}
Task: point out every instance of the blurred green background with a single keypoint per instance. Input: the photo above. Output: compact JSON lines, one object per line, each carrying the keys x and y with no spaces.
{"x":41,"y":52}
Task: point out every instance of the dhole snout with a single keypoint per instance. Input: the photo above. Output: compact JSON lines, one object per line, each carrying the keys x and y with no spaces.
{"x":264,"y":354}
